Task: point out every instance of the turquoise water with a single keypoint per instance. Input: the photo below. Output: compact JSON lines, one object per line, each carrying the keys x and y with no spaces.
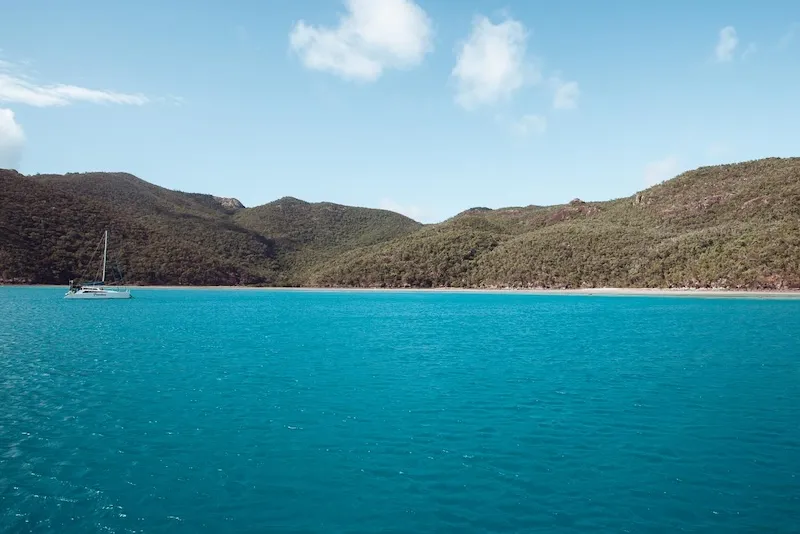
{"x":270,"y":411}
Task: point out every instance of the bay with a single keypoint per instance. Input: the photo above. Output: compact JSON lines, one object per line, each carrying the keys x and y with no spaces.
{"x":324,"y":411}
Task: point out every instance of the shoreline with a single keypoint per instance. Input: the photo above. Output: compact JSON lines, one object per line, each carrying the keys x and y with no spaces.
{"x":608,"y":292}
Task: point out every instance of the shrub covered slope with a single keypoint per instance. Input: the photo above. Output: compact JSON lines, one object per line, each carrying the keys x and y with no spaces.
{"x":734,"y":226}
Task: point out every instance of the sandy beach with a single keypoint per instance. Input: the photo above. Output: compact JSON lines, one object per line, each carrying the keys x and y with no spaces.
{"x":606,"y":292}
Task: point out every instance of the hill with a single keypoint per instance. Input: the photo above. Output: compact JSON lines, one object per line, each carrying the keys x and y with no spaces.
{"x":50,"y":225}
{"x":315,"y":233}
{"x":735,"y":226}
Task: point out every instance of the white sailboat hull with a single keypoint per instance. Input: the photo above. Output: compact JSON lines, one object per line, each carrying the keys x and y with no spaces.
{"x":97,"y":290}
{"x":98,"y":294}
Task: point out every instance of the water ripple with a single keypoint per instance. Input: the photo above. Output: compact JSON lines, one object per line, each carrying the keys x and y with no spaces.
{"x":337,"y":412}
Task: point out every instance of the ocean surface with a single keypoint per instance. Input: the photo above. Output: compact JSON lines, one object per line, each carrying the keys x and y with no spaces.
{"x":283,"y":411}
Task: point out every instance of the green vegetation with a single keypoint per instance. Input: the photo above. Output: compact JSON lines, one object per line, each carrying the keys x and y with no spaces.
{"x":49,"y":228}
{"x":734,"y":226}
{"x":310,"y":234}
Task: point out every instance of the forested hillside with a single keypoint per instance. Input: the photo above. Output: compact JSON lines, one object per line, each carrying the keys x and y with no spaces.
{"x":735,"y":226}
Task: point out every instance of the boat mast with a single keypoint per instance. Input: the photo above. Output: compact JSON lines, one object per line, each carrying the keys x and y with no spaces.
{"x":105,"y":249}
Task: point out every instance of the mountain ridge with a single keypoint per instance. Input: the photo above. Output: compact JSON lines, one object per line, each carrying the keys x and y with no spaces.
{"x":734,"y":226}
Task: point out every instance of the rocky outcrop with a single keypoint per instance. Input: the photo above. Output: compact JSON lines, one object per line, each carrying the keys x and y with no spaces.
{"x":229,"y":203}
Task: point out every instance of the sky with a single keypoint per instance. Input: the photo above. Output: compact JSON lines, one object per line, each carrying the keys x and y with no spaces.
{"x":426,"y":107}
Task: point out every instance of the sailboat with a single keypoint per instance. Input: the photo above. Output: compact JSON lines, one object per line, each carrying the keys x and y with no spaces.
{"x":97,"y":290}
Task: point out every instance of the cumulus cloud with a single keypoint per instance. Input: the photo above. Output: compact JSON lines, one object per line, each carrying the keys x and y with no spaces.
{"x":12,"y":140}
{"x":491,"y":63}
{"x":530,"y":125}
{"x":20,"y":89}
{"x":726,"y":44}
{"x":372,"y":36}
{"x":656,"y":172}
{"x":17,"y":88}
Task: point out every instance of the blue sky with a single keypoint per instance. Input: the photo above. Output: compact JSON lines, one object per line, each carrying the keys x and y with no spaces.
{"x":427,"y":107}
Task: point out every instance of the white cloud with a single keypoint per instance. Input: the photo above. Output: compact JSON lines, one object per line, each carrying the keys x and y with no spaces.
{"x":566,"y":94}
{"x":20,"y":89}
{"x":12,"y":140}
{"x":374,"y":35}
{"x":414,"y":212}
{"x":530,"y":125}
{"x":726,"y":45}
{"x":656,"y":172}
{"x":491,"y":63}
